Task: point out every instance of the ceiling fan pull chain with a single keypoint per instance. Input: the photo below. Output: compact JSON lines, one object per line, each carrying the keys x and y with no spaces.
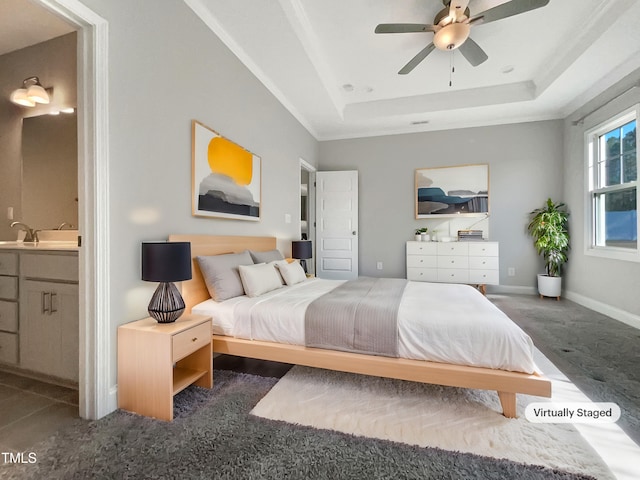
{"x":452,"y":69}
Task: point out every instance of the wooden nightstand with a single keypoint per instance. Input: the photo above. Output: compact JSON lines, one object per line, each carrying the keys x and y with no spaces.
{"x":158,"y":360}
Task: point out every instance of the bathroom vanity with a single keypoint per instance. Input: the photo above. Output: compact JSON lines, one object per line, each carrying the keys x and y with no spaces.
{"x":39,"y":308}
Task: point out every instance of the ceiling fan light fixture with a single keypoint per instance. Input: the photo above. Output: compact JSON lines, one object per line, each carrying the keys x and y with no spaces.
{"x":451,"y":36}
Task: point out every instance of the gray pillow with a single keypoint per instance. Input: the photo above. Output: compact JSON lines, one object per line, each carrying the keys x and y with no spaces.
{"x":220,"y":273}
{"x":266,"y":257}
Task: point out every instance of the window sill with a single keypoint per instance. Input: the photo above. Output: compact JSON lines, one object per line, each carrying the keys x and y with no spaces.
{"x":613,"y":253}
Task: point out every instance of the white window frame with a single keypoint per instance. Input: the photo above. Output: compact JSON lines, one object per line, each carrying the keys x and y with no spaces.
{"x":591,"y":138}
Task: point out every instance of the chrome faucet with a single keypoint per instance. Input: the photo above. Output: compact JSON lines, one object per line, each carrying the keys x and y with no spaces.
{"x":31,"y":235}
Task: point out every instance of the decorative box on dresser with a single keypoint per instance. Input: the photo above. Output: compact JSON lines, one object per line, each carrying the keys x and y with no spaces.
{"x":158,"y":360}
{"x":475,"y":263}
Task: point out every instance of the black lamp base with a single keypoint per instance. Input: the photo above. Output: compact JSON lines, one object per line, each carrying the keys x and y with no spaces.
{"x":166,"y":304}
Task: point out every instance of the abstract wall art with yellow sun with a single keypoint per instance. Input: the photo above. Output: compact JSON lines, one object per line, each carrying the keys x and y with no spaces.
{"x":225,"y":177}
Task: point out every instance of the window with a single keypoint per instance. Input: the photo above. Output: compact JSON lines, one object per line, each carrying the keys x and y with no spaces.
{"x":613,"y":187}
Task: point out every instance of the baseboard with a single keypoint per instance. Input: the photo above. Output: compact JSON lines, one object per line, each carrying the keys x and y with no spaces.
{"x":516,"y":289}
{"x":608,"y":310}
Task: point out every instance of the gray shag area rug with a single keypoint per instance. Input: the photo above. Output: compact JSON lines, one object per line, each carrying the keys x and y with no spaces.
{"x":600,"y":355}
{"x":213,"y":436}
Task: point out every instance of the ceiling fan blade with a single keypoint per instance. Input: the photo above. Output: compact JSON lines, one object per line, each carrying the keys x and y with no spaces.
{"x":413,"y":63}
{"x":404,"y":28}
{"x":509,"y":9}
{"x":457,"y":8}
{"x":472,"y":52}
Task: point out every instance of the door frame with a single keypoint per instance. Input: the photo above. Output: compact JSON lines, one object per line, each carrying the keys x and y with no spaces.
{"x":97,"y":397}
{"x":311,"y":205}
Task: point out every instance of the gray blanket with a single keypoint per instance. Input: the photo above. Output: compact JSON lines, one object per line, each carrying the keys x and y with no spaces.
{"x":359,"y":316}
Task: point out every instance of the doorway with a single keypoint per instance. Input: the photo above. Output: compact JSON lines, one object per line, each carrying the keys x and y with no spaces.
{"x":308,"y":208}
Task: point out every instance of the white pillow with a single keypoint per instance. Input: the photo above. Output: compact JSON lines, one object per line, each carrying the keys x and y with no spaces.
{"x":292,"y":272}
{"x":259,"y":279}
{"x":275,"y":263}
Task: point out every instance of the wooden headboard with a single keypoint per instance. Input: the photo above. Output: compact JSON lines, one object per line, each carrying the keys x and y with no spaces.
{"x":195,"y":291}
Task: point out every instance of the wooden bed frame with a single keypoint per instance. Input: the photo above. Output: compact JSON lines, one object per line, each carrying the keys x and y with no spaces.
{"x":507,"y":384}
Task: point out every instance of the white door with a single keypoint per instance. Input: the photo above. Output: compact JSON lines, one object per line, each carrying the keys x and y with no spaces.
{"x":337,"y":225}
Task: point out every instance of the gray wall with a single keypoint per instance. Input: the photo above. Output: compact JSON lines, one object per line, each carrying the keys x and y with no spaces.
{"x":603,"y":284}
{"x":54,"y":62}
{"x":165,"y":69}
{"x":525,"y":167}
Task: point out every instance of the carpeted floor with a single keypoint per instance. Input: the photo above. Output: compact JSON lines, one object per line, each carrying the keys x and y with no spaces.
{"x":601,"y":356}
{"x":214,"y":437}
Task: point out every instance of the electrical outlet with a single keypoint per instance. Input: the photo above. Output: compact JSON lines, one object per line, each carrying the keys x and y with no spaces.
{"x":379,"y":265}
{"x":9,"y":213}
{"x":511,"y":271}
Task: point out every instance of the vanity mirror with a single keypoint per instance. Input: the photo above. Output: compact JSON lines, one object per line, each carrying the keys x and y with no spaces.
{"x":50,"y":171}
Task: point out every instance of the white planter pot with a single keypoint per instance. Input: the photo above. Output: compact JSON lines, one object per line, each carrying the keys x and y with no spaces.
{"x":426,"y":237}
{"x":549,"y":286}
{"x":418,"y":238}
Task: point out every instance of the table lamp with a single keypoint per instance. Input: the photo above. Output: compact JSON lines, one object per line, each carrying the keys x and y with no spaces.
{"x":166,"y":262}
{"x":301,"y":250}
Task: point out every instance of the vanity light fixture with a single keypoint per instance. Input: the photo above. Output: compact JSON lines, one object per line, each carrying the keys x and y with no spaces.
{"x":31,"y":93}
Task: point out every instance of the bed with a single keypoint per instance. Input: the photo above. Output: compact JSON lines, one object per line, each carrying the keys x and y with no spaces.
{"x":497,"y":372}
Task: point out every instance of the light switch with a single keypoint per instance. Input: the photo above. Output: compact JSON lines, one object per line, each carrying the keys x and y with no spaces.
{"x":287,"y":218}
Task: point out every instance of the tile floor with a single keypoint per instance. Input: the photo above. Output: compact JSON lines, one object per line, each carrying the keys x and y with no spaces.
{"x":31,"y":411}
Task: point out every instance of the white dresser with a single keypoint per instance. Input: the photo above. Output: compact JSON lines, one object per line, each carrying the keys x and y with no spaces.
{"x":469,"y":262}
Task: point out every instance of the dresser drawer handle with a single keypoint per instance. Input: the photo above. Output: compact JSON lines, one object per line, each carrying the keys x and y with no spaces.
{"x":194,"y":339}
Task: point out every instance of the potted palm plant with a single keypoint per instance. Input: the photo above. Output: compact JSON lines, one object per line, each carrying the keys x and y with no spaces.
{"x":548,"y":227}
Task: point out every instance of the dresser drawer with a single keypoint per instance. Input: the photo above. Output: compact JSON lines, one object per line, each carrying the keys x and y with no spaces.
{"x":422,"y":248}
{"x":422,"y":261}
{"x":453,"y":248}
{"x":187,"y":342}
{"x":483,"y":263}
{"x":9,"y":316}
{"x":451,"y":261}
{"x":453,"y":276}
{"x":8,"y":348}
{"x":8,"y":263}
{"x":488,"y":277}
{"x":9,"y":288}
{"x":482,"y":249}
{"x":422,"y":274}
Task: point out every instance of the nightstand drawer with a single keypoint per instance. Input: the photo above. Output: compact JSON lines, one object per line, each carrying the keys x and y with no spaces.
{"x":185,"y":343}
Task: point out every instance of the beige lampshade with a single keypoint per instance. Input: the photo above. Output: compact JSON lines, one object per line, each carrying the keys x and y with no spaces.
{"x":451,"y":36}
{"x":20,"y":97}
{"x":37,"y":94}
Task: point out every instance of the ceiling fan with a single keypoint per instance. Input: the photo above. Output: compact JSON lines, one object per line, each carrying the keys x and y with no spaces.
{"x":452,"y":25}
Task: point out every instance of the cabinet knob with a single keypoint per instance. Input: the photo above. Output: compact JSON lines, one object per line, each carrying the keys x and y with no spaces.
{"x":194,"y":339}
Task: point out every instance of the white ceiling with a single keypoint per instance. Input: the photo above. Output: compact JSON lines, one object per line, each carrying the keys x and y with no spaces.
{"x":23,"y":23}
{"x":307,"y":51}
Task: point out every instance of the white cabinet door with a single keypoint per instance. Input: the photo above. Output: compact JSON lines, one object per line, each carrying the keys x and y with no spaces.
{"x":337,"y":225}
{"x":49,"y":328}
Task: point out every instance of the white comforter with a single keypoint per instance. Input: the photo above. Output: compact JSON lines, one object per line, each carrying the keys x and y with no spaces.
{"x":436,"y":321}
